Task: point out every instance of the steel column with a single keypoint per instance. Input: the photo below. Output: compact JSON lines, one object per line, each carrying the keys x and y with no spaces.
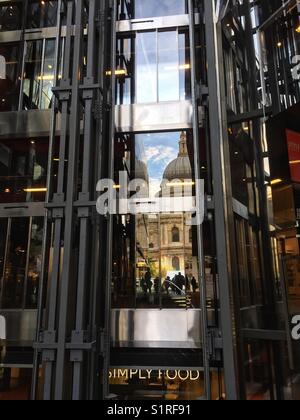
{"x":221,"y":175}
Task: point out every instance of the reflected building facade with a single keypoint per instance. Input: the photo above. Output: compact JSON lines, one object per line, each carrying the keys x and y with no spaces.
{"x":186,"y":111}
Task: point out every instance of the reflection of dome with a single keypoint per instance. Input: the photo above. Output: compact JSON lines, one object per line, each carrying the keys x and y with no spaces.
{"x":141,"y":170}
{"x":181,"y":167}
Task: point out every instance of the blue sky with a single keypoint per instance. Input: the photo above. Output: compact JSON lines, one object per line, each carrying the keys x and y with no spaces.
{"x":158,"y":151}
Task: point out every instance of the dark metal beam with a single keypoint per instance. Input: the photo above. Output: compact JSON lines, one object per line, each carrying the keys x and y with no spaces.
{"x":69,"y":345}
{"x":223,"y":197}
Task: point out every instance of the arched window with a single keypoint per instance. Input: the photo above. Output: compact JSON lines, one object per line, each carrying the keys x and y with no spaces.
{"x":175,"y":234}
{"x":176,"y":263}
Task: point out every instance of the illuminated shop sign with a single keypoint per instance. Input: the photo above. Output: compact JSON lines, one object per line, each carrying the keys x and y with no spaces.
{"x":172,"y":375}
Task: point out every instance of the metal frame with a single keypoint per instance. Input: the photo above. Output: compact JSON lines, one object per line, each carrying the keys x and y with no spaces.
{"x":222,"y":196}
{"x":70,"y":213}
{"x":74,"y":330}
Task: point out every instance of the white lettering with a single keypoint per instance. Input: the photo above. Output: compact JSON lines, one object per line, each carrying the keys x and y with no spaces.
{"x":296,"y":329}
{"x":296,"y":69}
{"x":2,"y":67}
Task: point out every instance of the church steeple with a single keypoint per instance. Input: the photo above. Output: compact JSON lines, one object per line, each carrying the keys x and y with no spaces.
{"x":183,"y":150}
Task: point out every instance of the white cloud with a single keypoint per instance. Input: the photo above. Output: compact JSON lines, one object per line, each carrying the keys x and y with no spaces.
{"x":154,"y":186}
{"x":161,"y":154}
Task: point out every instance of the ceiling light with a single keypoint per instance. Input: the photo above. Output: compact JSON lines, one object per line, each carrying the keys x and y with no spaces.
{"x":180,"y":184}
{"x":35,"y":190}
{"x":276,"y":181}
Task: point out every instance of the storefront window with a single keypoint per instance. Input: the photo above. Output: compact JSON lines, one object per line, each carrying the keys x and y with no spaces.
{"x":11,"y":17}
{"x":153,"y":67}
{"x":23,"y":170}
{"x":164,"y":385}
{"x":42,"y":14}
{"x":10,"y":84}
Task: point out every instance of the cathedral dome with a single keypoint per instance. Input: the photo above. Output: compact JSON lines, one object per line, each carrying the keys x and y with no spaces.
{"x":180,"y":168}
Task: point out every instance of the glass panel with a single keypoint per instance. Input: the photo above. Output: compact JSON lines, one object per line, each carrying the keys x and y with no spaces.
{"x":3,"y":233}
{"x":156,"y":260}
{"x":9,"y":86}
{"x":153,"y":8}
{"x":42,"y":14}
{"x":47,"y":76}
{"x":153,"y":67}
{"x":146,"y":67}
{"x":184,"y":66}
{"x":23,"y":170}
{"x":259,"y":383}
{"x":35,"y":262}
{"x":15,"y":267}
{"x":242,"y":263}
{"x":10,"y":17}
{"x":291,"y":268}
{"x":125,"y":74}
{"x":15,"y":384}
{"x":33,"y":75}
{"x":168,"y":66}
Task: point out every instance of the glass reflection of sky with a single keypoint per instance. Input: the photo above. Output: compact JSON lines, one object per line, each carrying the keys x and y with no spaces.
{"x":159,"y":150}
{"x":155,"y":8}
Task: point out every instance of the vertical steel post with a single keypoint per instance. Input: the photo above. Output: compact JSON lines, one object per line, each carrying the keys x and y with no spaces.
{"x":109,"y":232}
{"x":223,"y":197}
{"x":201,"y":261}
{"x":71,"y":323}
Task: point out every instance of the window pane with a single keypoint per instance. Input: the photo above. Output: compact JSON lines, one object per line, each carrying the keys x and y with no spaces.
{"x":15,"y":268}
{"x":155,"y":262}
{"x":35,"y":262}
{"x":146,"y":67}
{"x":153,"y":8}
{"x":42,"y":14}
{"x":23,"y":170}
{"x":3,"y":233}
{"x":184,"y":66}
{"x":32,"y":75}
{"x":10,"y":17}
{"x":47,"y":77}
{"x":125,"y":67}
{"x":9,"y":87}
{"x":168,"y":68}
